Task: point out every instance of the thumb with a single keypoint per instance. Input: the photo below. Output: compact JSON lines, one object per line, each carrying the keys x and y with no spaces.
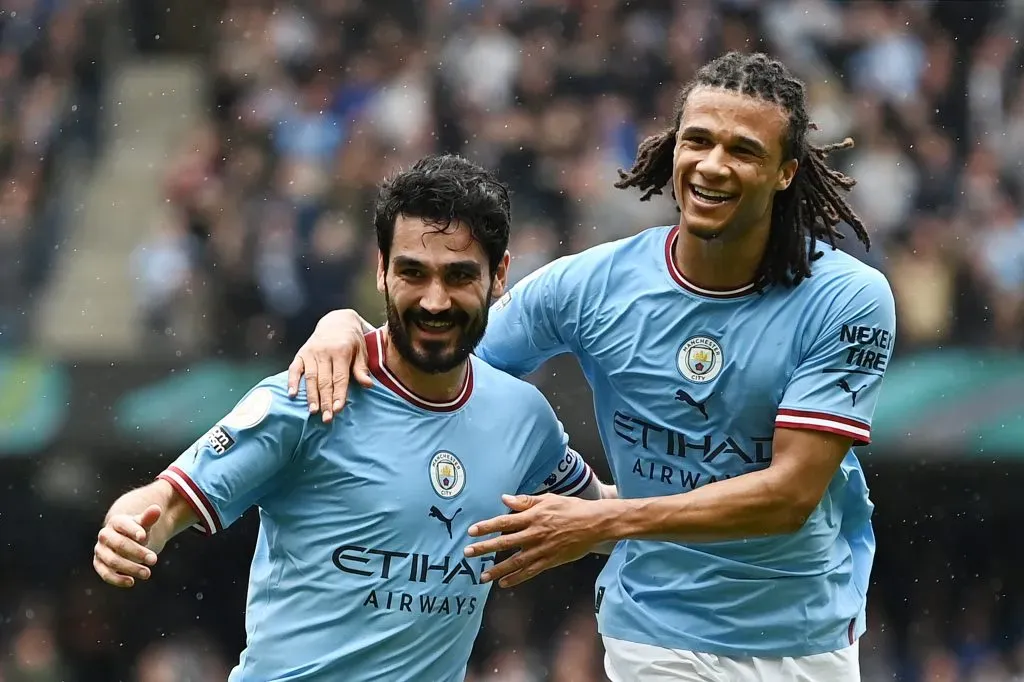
{"x":361,"y":370}
{"x":149,"y":517}
{"x":519,"y":502}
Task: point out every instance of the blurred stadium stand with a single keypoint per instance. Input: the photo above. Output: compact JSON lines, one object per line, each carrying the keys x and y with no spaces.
{"x":186,"y":190}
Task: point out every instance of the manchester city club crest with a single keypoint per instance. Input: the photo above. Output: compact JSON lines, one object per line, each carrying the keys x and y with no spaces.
{"x":447,"y":475}
{"x":700,"y":359}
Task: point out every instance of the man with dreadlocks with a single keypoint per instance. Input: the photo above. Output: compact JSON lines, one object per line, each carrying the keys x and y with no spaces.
{"x":735,"y":361}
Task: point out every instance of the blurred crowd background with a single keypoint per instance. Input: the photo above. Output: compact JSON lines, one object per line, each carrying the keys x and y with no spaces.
{"x":193,"y":179}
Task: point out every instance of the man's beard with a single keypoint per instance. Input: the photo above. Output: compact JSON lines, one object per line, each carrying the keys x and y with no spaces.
{"x":435,"y":357}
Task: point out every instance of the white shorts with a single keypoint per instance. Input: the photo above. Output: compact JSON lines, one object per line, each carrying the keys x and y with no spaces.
{"x":631,"y":662}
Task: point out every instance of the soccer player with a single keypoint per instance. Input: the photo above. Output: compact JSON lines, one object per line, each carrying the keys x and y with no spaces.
{"x":735,"y":360}
{"x":359,"y":572}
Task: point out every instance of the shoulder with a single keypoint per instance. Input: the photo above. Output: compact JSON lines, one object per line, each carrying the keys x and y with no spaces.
{"x":515,"y":395}
{"x":837,"y":270}
{"x":596,"y":263}
{"x":581,"y":285}
{"x":277,"y":386}
{"x":269,"y":397}
{"x":844,"y":291}
{"x":649,"y":241}
{"x":841,"y":280}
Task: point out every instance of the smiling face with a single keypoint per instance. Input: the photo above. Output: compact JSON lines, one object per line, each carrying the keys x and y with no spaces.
{"x":728,"y":163}
{"x":438,"y":287}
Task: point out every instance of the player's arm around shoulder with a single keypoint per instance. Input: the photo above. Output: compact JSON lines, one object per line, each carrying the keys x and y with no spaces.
{"x":538,"y":318}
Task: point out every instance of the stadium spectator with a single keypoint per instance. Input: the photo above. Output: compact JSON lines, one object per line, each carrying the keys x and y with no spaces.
{"x":555,"y":98}
{"x":49,"y":90}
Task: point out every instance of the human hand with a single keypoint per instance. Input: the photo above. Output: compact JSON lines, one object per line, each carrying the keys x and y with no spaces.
{"x":121,"y":555}
{"x":335,"y":352}
{"x":548,"y":530}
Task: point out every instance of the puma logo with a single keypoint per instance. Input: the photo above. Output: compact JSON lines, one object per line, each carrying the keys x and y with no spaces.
{"x":436,"y":513}
{"x":846,"y":389}
{"x":684,"y":397}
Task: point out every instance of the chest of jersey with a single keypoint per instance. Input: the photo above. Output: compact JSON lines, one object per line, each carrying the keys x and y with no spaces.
{"x":402,"y":488}
{"x":687,"y":390}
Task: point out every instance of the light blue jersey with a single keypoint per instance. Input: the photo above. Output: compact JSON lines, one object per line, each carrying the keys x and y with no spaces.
{"x":359,"y":572}
{"x":689,"y":386}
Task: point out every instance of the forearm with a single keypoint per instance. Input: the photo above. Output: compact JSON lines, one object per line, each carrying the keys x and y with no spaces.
{"x":176,"y":515}
{"x":753,"y":505}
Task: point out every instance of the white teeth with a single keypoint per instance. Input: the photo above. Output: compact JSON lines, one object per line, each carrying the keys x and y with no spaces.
{"x":710,"y":193}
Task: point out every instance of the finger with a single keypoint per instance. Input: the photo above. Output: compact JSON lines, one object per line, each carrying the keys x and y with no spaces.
{"x":312,"y":391}
{"x":532,"y":566}
{"x":343,"y":375}
{"x":361,"y":368}
{"x":323,"y":384}
{"x":502,"y":543}
{"x":149,"y":517}
{"x":505,"y":523}
{"x":295,"y":375}
{"x":109,"y":576}
{"x":120,"y":565}
{"x":128,"y":527}
{"x":339,"y":386}
{"x":329,"y":377}
{"x":126,"y":547}
{"x":519,"y":503}
{"x":520,"y":577}
{"x":517,"y":562}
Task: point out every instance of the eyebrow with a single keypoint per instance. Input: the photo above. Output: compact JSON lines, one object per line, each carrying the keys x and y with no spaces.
{"x":756,"y":146}
{"x":468,"y":266}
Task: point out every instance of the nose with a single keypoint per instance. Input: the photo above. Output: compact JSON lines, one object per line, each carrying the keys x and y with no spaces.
{"x":435,"y":299}
{"x":712,"y":164}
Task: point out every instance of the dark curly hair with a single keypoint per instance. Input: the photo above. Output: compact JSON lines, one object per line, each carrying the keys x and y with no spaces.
{"x":443,"y":190}
{"x":811,"y":207}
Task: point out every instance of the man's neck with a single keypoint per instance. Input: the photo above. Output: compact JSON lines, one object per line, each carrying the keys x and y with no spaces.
{"x":720,"y":264}
{"x":440,"y":387}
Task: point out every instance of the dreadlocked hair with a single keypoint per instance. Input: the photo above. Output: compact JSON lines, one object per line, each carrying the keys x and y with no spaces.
{"x":810,"y":209}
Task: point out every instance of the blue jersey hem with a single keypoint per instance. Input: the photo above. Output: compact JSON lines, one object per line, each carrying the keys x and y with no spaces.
{"x":684,"y":643}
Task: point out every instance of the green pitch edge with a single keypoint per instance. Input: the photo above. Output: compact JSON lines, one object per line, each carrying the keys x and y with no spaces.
{"x":1003,"y":433}
{"x":181,"y":408}
{"x":954,"y":399}
{"x":34,"y":402}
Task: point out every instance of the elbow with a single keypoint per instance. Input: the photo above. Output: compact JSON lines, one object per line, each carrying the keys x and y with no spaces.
{"x":794,"y":515}
{"x":793,"y":508}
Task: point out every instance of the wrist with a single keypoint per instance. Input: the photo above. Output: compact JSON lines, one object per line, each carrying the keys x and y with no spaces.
{"x":609,"y":524}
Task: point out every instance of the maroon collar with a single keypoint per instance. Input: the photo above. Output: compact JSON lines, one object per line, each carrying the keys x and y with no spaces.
{"x":670,"y":261}
{"x":375,"y":355}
